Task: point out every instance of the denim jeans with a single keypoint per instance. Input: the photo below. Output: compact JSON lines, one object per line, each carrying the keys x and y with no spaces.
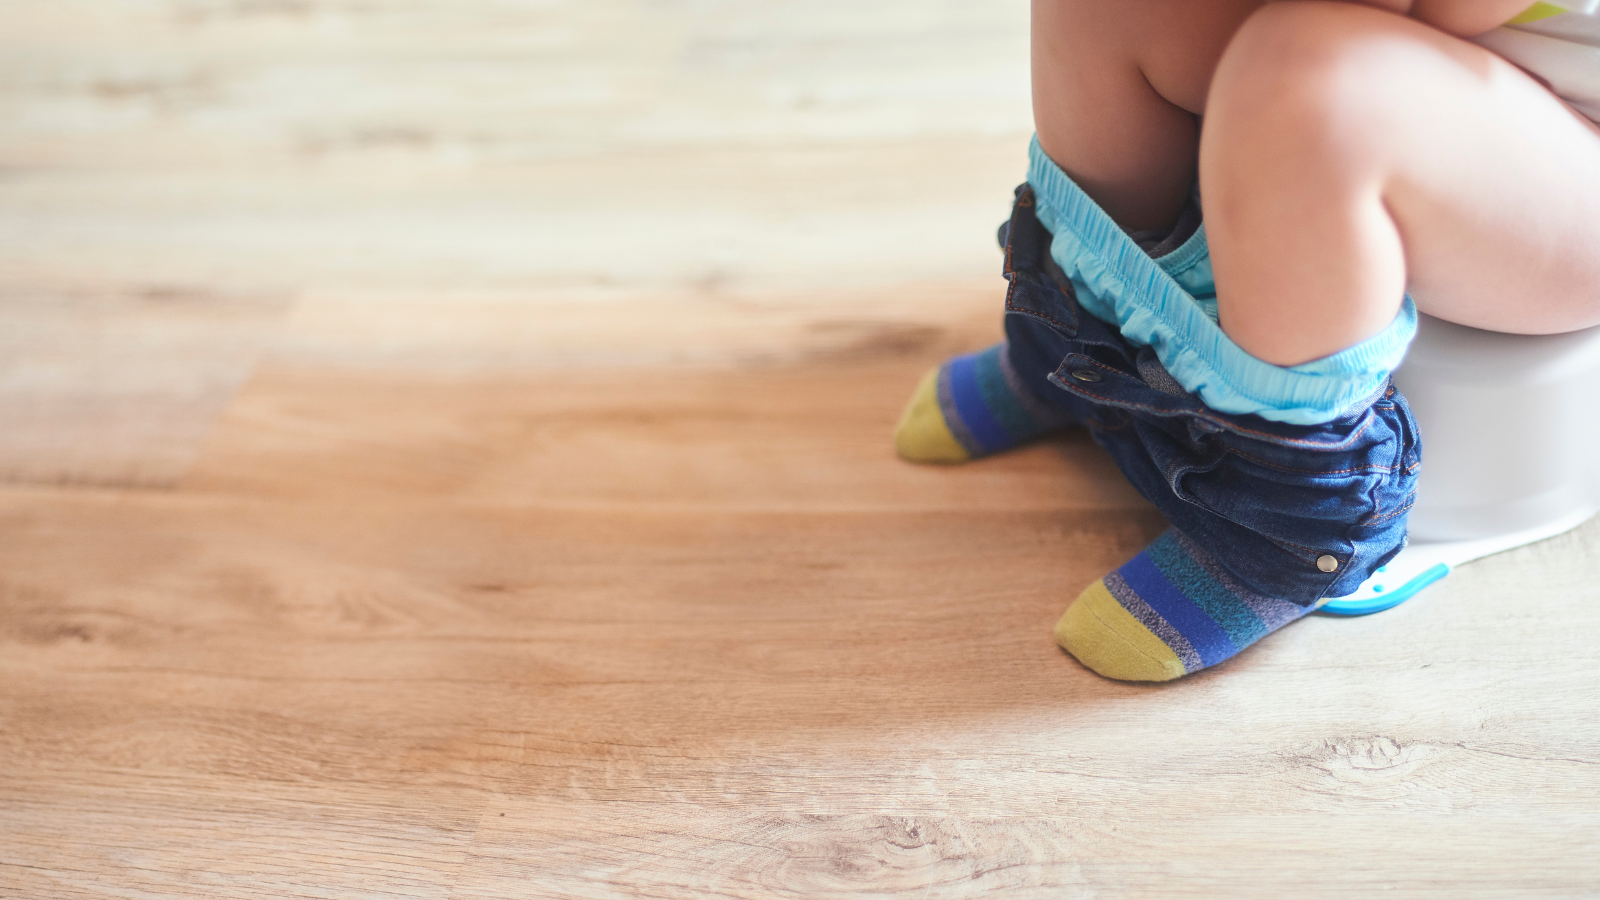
{"x":1267,"y":500}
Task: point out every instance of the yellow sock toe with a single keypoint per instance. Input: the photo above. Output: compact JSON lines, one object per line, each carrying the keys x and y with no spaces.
{"x":922,"y":435}
{"x":1108,"y":639}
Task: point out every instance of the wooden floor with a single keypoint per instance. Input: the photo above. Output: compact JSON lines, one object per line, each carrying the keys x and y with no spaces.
{"x":349,"y":548}
{"x":592,"y":634}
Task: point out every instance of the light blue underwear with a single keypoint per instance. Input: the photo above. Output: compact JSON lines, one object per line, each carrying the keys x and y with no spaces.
{"x":1170,"y":304}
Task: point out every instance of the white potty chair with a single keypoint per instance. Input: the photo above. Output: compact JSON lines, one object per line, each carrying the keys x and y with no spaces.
{"x":1510,"y":430}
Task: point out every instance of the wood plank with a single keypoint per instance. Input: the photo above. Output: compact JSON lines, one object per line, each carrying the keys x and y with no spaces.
{"x":775,"y":439}
{"x":556,"y":548}
{"x":470,"y":185}
{"x":120,"y":387}
{"x":555,"y":149}
{"x":159,"y":836}
{"x":826,"y":689}
{"x":671,"y":851}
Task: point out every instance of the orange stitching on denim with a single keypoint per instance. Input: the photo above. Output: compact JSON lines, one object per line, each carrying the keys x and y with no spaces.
{"x":1267,"y":436}
{"x":1262,"y":462}
{"x":1012,"y":307}
{"x":1311,"y":550}
{"x":1065,"y":289}
{"x":1412,"y":502}
{"x":1025,"y":200}
{"x":1272,"y":438}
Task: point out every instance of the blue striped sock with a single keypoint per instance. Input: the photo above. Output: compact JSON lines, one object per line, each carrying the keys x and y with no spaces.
{"x":972,"y":406}
{"x":1169,"y":611}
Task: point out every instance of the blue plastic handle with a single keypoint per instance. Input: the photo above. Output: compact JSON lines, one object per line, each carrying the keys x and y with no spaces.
{"x":1388,"y":600}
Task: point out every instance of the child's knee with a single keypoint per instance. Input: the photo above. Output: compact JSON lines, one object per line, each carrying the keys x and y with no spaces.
{"x":1315,"y":73}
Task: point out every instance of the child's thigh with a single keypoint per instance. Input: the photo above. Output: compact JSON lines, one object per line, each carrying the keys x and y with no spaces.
{"x":1116,"y":91}
{"x":1339,"y":118}
{"x":1499,"y":206}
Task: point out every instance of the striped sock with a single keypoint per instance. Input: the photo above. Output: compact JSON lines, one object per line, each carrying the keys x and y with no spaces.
{"x":1167,"y":612}
{"x":972,"y":406}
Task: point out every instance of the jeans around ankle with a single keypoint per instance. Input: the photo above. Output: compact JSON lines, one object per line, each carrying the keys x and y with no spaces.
{"x":1276,"y":504}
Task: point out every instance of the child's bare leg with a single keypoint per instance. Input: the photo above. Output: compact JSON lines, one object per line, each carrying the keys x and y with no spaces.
{"x":1350,"y":154}
{"x":1117,"y":90}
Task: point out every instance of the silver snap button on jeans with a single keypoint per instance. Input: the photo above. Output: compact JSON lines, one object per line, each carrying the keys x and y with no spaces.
{"x":1088,"y":375}
{"x":1327,"y":563}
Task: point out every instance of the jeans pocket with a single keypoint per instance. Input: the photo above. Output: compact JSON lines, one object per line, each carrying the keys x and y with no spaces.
{"x":1309,"y":503}
{"x":1305,"y":516}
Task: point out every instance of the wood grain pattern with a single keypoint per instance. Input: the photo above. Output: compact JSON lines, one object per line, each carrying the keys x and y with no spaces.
{"x":517,"y":381}
{"x":558,"y":149}
{"x":472,"y":184}
{"x":119,"y":388}
{"x":301,"y":675}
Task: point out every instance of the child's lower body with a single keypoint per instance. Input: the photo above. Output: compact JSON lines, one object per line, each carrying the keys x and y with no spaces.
{"x":1238,"y":370}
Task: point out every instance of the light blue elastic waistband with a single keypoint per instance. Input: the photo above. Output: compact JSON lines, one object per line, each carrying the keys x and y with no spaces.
{"x":1169,"y":304}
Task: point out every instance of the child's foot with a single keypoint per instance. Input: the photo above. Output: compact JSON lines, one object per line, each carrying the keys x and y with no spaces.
{"x":1167,"y":612}
{"x":971,"y":406}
